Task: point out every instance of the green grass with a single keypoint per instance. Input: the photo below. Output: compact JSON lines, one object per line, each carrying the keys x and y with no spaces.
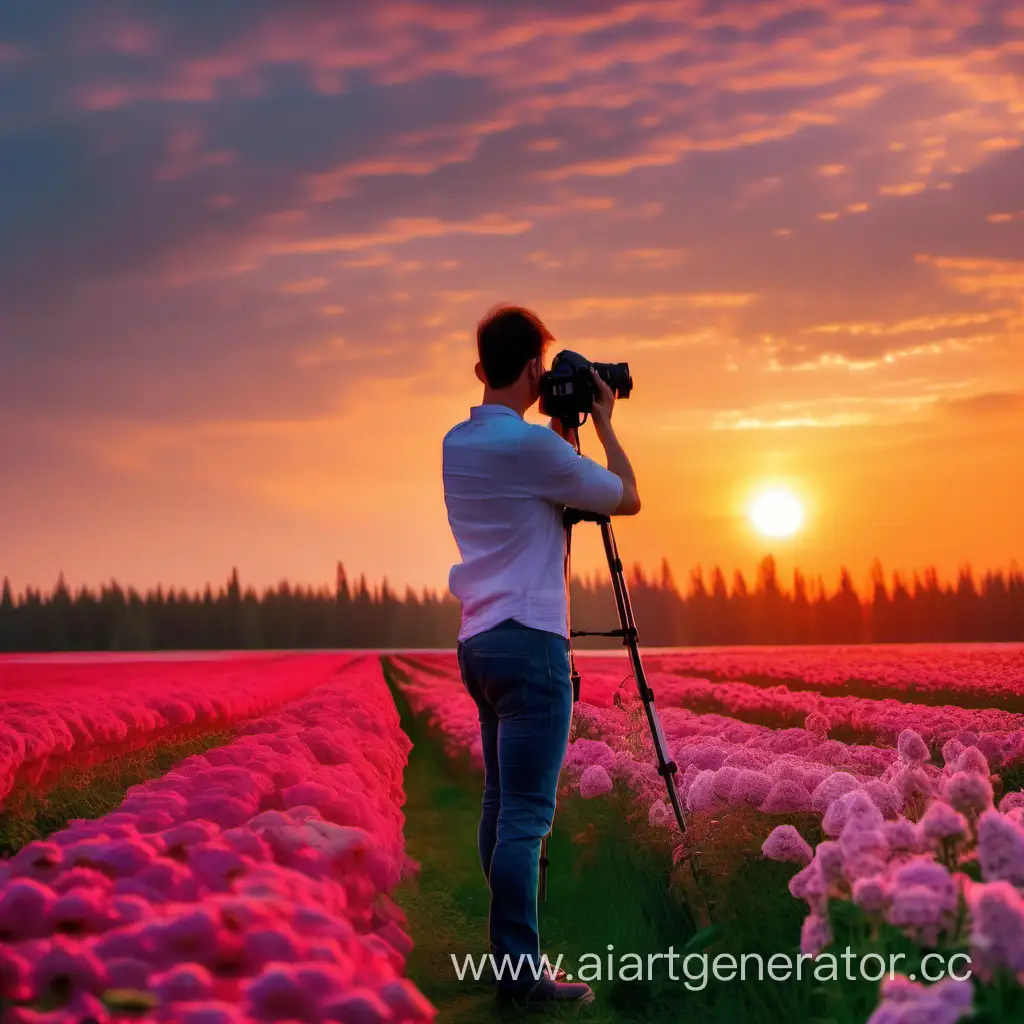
{"x":609,"y":883}
{"x":29,"y":812}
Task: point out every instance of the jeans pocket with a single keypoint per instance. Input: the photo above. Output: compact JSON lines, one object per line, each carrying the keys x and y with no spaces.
{"x":504,"y":680}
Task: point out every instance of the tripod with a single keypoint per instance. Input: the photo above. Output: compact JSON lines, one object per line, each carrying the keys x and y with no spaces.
{"x":667,"y":768}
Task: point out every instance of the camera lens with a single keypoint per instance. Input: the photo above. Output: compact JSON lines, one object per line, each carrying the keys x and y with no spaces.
{"x":616,"y":376}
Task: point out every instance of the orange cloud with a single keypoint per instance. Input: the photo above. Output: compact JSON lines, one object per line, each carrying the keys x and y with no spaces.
{"x":304,"y":287}
{"x":910,"y":188}
{"x":401,"y":230}
{"x":996,"y":278}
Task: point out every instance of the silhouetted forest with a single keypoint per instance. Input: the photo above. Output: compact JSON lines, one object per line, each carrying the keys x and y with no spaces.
{"x":708,"y":611}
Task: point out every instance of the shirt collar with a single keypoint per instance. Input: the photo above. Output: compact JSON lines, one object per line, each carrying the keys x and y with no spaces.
{"x":482,"y":411}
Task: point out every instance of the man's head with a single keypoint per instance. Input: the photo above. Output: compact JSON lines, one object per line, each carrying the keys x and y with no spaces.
{"x":511,"y":343}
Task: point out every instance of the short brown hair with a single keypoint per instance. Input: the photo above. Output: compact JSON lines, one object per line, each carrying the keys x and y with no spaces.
{"x":506,"y":340}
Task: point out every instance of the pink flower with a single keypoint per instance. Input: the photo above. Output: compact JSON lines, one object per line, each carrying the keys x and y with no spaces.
{"x":951,"y":750}
{"x":924,"y":899}
{"x":211,"y":1011}
{"x":829,"y":856}
{"x":865,"y":851}
{"x":815,"y":934}
{"x":594,"y":782}
{"x":855,"y":805}
{"x":183,"y":983}
{"x":910,"y":781}
{"x":659,"y":814}
{"x":724,"y":778}
{"x":69,"y":967}
{"x":940,"y":822}
{"x":808,"y":884}
{"x":25,"y":907}
{"x":908,"y":1002}
{"x":39,"y":860}
{"x":701,"y":795}
{"x":968,"y":791}
{"x":128,"y":972}
{"x":80,"y":911}
{"x":885,"y":797}
{"x":787,"y":797}
{"x":832,"y":788}
{"x":358,"y":1004}
{"x":871,"y":893}
{"x":14,"y":975}
{"x":710,"y":756}
{"x":1000,"y":848}
{"x":912,"y":747}
{"x":749,"y":788}
{"x":817,"y":724}
{"x":901,"y":835}
{"x":972,"y":760}
{"x":584,"y":752}
{"x":997,"y":927}
{"x":1011,"y":800}
{"x":786,"y":844}
{"x":747,"y":757}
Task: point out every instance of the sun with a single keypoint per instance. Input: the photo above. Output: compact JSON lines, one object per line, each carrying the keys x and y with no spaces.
{"x":777,"y":513}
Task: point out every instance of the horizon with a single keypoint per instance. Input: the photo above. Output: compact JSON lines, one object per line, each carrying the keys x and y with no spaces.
{"x":682,"y":581}
{"x":245,"y":256}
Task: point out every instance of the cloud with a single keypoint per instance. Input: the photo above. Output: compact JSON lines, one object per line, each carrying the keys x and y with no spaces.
{"x":189,"y":197}
{"x":185,"y":156}
{"x":988,"y":404}
{"x":627,"y":304}
{"x":910,"y":188}
{"x":994,"y":278}
{"x":402,"y":230}
{"x":304,"y":287}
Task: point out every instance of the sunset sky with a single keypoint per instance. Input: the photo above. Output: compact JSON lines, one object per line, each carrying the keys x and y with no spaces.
{"x":244,"y":247}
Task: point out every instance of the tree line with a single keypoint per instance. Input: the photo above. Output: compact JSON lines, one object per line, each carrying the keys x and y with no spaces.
{"x":710,"y":610}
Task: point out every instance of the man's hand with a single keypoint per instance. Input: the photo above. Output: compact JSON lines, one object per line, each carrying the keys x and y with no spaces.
{"x":604,"y":401}
{"x":556,"y":426}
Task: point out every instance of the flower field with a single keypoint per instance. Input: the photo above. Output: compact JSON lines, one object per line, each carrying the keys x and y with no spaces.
{"x":257,"y":880}
{"x":915,"y":817}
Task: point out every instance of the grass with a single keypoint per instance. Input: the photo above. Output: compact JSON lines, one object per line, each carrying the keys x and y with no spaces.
{"x":29,"y":812}
{"x":608,"y":884}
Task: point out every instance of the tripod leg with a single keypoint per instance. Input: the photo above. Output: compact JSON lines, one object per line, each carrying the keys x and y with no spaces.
{"x":667,"y":768}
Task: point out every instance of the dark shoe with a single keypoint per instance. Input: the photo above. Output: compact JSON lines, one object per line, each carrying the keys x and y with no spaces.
{"x":546,"y":992}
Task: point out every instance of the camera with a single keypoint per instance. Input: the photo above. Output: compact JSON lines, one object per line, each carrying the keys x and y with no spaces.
{"x":567,"y":390}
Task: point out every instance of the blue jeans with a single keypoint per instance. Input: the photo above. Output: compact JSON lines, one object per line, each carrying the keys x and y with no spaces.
{"x":519,"y":679}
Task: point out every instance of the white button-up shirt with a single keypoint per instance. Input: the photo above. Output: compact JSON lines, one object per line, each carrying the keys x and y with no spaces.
{"x":506,"y":483}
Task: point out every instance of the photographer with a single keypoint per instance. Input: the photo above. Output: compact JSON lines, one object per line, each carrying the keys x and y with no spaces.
{"x":506,"y":483}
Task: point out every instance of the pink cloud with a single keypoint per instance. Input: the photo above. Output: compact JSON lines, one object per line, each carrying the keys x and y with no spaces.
{"x":401,"y":230}
{"x":185,"y":156}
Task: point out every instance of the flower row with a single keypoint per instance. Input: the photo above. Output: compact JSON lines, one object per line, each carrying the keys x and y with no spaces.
{"x":80,"y":713}
{"x":963,"y":673}
{"x":999,"y":734}
{"x":247,"y":884}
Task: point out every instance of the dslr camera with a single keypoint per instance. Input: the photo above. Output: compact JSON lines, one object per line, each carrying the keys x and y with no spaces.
{"x":567,"y":390}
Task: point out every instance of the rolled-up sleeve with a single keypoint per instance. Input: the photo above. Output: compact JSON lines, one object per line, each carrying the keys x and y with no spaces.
{"x":551,"y":468}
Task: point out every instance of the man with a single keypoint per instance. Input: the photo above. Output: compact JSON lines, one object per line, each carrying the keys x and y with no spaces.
{"x":506,"y":484}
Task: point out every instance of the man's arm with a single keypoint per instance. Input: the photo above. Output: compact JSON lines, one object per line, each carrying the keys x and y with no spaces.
{"x":619,"y":464}
{"x":616,"y":458}
{"x":554,"y":470}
